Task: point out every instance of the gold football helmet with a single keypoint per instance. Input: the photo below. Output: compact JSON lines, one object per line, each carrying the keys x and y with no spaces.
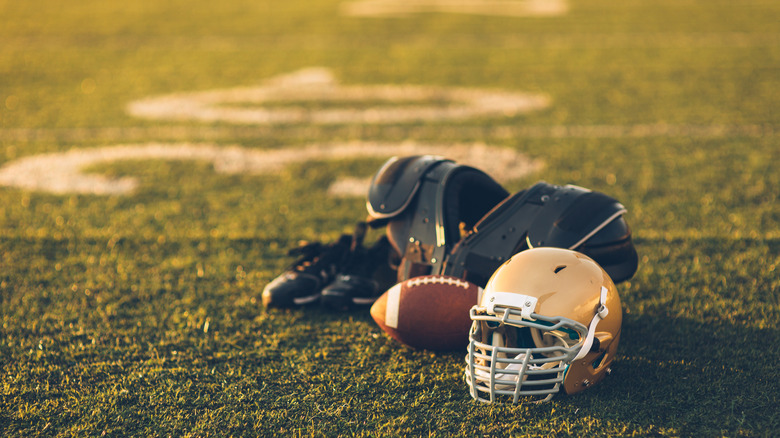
{"x":549,"y":319}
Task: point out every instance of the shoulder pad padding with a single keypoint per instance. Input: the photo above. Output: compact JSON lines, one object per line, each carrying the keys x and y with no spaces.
{"x":395,"y":184}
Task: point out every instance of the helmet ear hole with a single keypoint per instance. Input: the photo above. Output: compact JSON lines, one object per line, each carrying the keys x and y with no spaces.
{"x":596,"y":345}
{"x":559,"y":268}
{"x":597,"y":363}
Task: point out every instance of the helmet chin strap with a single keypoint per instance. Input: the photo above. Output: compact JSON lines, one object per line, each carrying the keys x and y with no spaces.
{"x":601,"y":313}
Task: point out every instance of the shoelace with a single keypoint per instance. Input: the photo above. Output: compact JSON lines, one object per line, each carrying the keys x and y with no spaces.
{"x":310,"y":253}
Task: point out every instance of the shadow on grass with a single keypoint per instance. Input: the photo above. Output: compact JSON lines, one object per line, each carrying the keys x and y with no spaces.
{"x":291,"y":370}
{"x":690,"y":377}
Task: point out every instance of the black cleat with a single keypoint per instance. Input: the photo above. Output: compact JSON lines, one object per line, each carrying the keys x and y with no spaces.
{"x":317,"y":267}
{"x":360,"y":282}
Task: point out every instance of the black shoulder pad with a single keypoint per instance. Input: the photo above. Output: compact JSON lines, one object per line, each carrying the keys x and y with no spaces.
{"x":547,"y":215}
{"x":591,"y":223}
{"x":571,"y":216}
{"x":395,"y":184}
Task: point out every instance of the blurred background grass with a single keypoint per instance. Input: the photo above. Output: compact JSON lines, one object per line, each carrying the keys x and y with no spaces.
{"x":139,"y":315}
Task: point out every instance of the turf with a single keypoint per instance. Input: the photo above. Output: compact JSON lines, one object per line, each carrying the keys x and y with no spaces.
{"x":140,"y":315}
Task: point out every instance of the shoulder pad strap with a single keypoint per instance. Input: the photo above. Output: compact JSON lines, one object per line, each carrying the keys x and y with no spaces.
{"x":395,"y":184}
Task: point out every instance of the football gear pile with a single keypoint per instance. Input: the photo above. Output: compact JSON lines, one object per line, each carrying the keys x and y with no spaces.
{"x":445,"y":218}
{"x":544,"y":262}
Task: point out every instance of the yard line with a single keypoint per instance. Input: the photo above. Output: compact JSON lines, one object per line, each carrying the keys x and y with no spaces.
{"x":507,"y":8}
{"x":366,"y":104}
{"x":62,"y":172}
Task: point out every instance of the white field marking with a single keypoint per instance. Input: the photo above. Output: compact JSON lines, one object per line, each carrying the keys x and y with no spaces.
{"x":62,"y":172}
{"x":515,"y":8}
{"x":405,"y":103}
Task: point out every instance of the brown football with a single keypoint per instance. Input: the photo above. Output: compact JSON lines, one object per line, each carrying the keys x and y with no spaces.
{"x":429,"y":312}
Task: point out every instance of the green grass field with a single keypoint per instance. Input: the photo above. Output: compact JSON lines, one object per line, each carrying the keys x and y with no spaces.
{"x":139,"y":314}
